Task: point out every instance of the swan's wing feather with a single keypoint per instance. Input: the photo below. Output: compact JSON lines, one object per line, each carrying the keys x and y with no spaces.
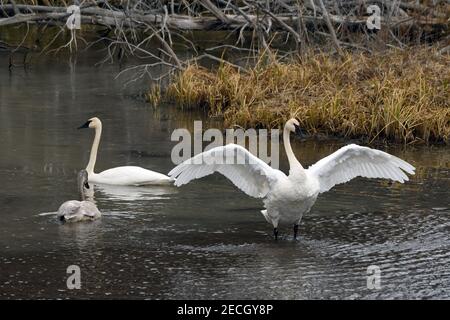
{"x":354,"y":161}
{"x":89,"y":209}
{"x":69,"y":209}
{"x":247,"y":172}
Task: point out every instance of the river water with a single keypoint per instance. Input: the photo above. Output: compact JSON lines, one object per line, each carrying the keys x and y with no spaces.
{"x":206,"y":239}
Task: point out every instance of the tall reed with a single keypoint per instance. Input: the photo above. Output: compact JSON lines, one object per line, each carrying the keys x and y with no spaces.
{"x":399,"y":96}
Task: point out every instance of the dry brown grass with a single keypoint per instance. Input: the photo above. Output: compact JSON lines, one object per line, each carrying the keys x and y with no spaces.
{"x":397,"y":96}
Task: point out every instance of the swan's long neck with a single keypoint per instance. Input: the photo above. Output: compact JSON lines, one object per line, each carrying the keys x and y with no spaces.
{"x":293,"y":162}
{"x":93,"y":157}
{"x":81,"y":182}
{"x":82,"y":194}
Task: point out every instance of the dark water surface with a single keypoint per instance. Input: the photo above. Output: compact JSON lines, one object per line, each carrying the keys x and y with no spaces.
{"x":207,"y":239}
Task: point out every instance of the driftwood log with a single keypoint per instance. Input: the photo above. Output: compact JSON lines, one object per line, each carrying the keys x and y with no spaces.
{"x":218,"y":20}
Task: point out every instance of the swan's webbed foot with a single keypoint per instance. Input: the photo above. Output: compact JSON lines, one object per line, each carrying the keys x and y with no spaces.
{"x":275,"y":233}
{"x":295,"y":231}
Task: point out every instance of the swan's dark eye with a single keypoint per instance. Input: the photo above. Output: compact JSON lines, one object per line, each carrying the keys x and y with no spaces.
{"x":86,"y":185}
{"x":86,"y":125}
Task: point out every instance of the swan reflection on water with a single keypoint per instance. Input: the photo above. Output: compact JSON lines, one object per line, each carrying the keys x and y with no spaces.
{"x":131,"y":194}
{"x":81,"y":235}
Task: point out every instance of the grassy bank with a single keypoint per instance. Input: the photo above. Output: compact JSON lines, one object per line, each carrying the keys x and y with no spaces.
{"x":400,"y":96}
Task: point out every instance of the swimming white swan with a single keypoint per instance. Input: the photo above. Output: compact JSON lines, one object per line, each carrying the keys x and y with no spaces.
{"x":287,"y":198}
{"x":73,"y":210}
{"x":124,"y":176}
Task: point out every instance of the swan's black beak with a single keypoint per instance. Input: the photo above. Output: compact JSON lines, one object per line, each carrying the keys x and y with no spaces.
{"x":86,"y":185}
{"x":86,"y":125}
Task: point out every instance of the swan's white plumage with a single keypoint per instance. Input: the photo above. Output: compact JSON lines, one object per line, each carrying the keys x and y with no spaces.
{"x":126,"y":175}
{"x":129,"y":176}
{"x":252,"y":175}
{"x":287,"y":198}
{"x":354,"y":161}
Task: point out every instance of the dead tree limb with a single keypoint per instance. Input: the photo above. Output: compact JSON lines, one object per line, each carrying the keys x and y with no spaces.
{"x":215,"y":11}
{"x":146,"y":29}
{"x":330,"y":28}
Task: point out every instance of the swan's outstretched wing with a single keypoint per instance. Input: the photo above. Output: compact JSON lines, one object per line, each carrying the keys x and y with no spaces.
{"x":247,"y":172}
{"x":355,"y":161}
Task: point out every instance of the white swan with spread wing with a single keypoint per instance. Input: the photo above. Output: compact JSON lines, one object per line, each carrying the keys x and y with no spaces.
{"x":288,"y":197}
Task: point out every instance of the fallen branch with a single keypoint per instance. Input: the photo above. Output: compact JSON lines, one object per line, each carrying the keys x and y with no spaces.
{"x":100,"y":16}
{"x":330,"y":28}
